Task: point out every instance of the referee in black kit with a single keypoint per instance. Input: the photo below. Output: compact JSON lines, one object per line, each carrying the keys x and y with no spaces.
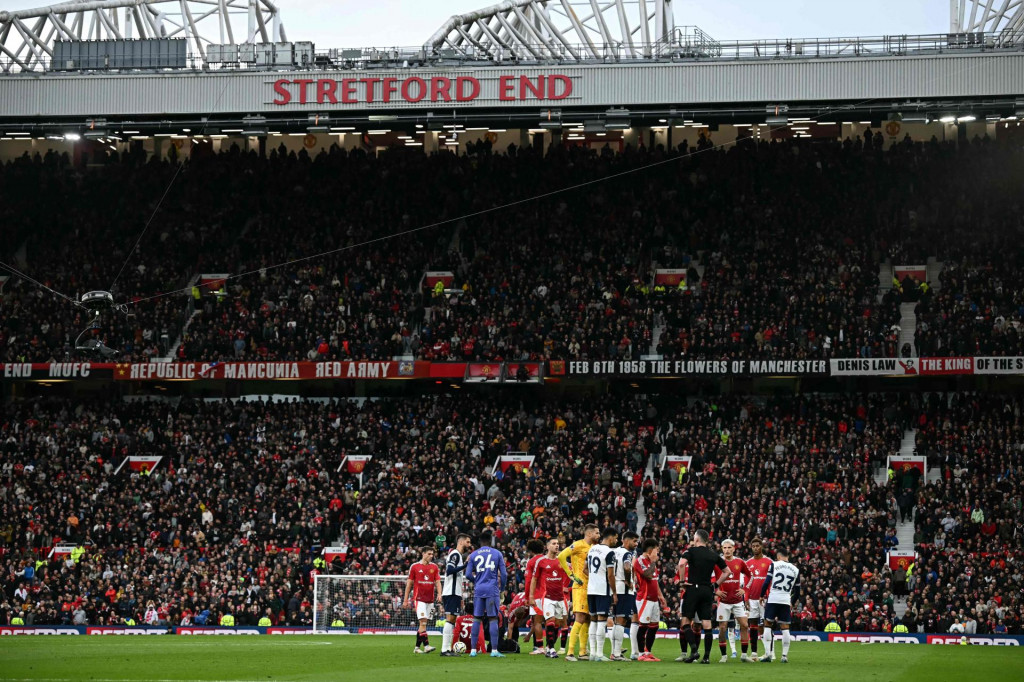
{"x":701,"y":597}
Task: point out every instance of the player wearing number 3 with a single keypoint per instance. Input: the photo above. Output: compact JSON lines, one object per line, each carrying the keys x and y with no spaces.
{"x":485,"y":568}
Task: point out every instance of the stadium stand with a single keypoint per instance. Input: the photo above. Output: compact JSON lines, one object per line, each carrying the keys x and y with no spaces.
{"x":208,"y":529}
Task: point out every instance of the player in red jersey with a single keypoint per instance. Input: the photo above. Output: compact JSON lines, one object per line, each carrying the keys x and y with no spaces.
{"x":649,"y":600}
{"x":518,"y":612}
{"x":426,"y":578}
{"x":757,"y":566}
{"x":549,"y":581}
{"x":535,"y":597}
{"x":463,"y":631}
{"x":732,"y":601}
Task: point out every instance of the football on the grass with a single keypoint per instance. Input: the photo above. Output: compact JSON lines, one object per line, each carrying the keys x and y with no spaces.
{"x":459,"y":648}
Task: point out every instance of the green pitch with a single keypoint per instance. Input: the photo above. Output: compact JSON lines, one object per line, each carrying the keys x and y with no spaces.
{"x":380,"y":658}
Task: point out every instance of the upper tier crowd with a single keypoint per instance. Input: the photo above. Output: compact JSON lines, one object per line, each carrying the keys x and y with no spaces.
{"x":783,"y":242}
{"x":233,"y":517}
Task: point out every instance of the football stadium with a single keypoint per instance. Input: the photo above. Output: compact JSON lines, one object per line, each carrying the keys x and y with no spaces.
{"x":571,"y":332}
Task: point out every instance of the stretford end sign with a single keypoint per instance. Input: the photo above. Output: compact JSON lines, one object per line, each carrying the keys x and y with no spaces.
{"x":411,"y":90}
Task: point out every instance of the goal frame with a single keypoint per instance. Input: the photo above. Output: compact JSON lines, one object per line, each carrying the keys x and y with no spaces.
{"x":321,"y":581}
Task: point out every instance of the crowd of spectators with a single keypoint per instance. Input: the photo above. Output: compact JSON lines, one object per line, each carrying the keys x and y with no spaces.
{"x":789,"y":236}
{"x":232,"y":519}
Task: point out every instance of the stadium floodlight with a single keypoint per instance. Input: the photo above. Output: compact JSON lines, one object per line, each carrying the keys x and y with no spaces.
{"x":914,"y":118}
{"x":94,"y":134}
{"x":993,"y":118}
{"x":966,"y":119}
{"x":616,"y":125}
{"x":947,"y":119}
{"x":254,"y":132}
{"x":317,"y":129}
{"x":73,"y":137}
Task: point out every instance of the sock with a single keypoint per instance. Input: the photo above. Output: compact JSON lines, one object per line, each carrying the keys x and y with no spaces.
{"x":766,"y":637}
{"x":537,"y":644}
{"x":709,"y":639}
{"x":617,"y":635}
{"x":753,"y":639}
{"x":495,"y":640}
{"x":695,"y":638}
{"x":474,"y":634}
{"x":446,"y":636}
{"x":721,"y":646}
{"x":486,"y":626}
{"x":574,"y":636}
{"x":584,"y":638}
{"x":551,"y":634}
{"x":601,"y":636}
{"x":592,"y":640}
{"x":732,"y":641}
{"x":744,"y":643}
{"x":634,"y":642}
{"x":426,"y":639}
{"x":564,"y":632}
{"x":652,"y":634}
{"x":684,"y":639}
{"x":785,"y":642}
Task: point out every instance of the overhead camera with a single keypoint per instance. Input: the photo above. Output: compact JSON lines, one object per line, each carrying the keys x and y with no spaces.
{"x":98,"y":347}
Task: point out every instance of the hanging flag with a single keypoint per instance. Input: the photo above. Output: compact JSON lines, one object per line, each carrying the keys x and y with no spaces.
{"x":60,"y":551}
{"x":901,"y":463}
{"x":900,"y":559}
{"x":330,"y":552}
{"x":355,"y":463}
{"x":140,"y":463}
{"x":515,"y":460}
{"x":677,"y":462}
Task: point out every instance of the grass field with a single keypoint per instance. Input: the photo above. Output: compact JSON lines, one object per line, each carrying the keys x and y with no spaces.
{"x":377,"y":659}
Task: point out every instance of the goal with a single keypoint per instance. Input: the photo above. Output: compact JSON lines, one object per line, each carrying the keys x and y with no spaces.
{"x":364,"y":603}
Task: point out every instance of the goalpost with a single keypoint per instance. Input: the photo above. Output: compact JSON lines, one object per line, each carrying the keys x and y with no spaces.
{"x":363,"y":603}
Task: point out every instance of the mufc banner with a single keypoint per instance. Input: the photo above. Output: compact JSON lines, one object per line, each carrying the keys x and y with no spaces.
{"x":881,"y":367}
{"x":900,"y":464}
{"x":140,"y":463}
{"x":238,"y":371}
{"x":677,"y":463}
{"x":514,"y":460}
{"x":900,"y":559}
{"x":355,"y":464}
{"x":329,"y":553}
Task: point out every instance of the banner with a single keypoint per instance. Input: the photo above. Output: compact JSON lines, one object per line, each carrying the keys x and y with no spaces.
{"x":900,"y":559}
{"x":670,"y":277}
{"x":432,"y":277}
{"x":918,"y":272}
{"x":1007,"y":365}
{"x":60,"y":551}
{"x":865,"y":367}
{"x":515,"y":460}
{"x":477,"y":372}
{"x":355,"y":463}
{"x":946,"y":366}
{"x":140,"y":463}
{"x":211,"y":282}
{"x":329,"y":553}
{"x":677,"y":463}
{"x":247,"y":371}
{"x":900,"y":463}
{"x":683,"y":368}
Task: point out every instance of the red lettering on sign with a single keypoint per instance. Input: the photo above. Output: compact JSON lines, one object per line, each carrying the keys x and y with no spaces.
{"x":526,"y":84}
{"x":348,"y":91}
{"x":369,"y":87}
{"x":388,"y":89}
{"x":421,"y":89}
{"x":566,"y":86}
{"x":280,"y":87}
{"x":505,"y":87}
{"x":439,"y":88}
{"x":460,"y":91}
{"x":302,"y":83}
{"x":325,"y":88}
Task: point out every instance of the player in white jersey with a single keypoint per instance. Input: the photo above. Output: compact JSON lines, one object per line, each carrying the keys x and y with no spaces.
{"x":452,"y":590}
{"x":601,"y":589}
{"x":625,"y":596}
{"x":781,"y":586}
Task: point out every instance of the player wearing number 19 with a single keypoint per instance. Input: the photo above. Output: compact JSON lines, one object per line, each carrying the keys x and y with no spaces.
{"x":485,"y":568}
{"x":577,"y":572}
{"x":601,"y":590}
{"x":427,"y":579}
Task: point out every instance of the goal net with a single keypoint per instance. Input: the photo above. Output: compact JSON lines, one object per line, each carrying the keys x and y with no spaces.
{"x":367,"y":603}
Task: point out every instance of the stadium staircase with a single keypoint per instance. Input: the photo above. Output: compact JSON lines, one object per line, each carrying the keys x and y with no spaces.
{"x":172,"y":349}
{"x":908,"y":328}
{"x":904,"y":529}
{"x":884,"y":279}
{"x":932,"y":271}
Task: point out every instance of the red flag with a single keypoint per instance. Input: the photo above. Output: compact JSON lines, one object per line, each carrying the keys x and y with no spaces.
{"x":515,"y":460}
{"x":356,"y":463}
{"x":677,"y":462}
